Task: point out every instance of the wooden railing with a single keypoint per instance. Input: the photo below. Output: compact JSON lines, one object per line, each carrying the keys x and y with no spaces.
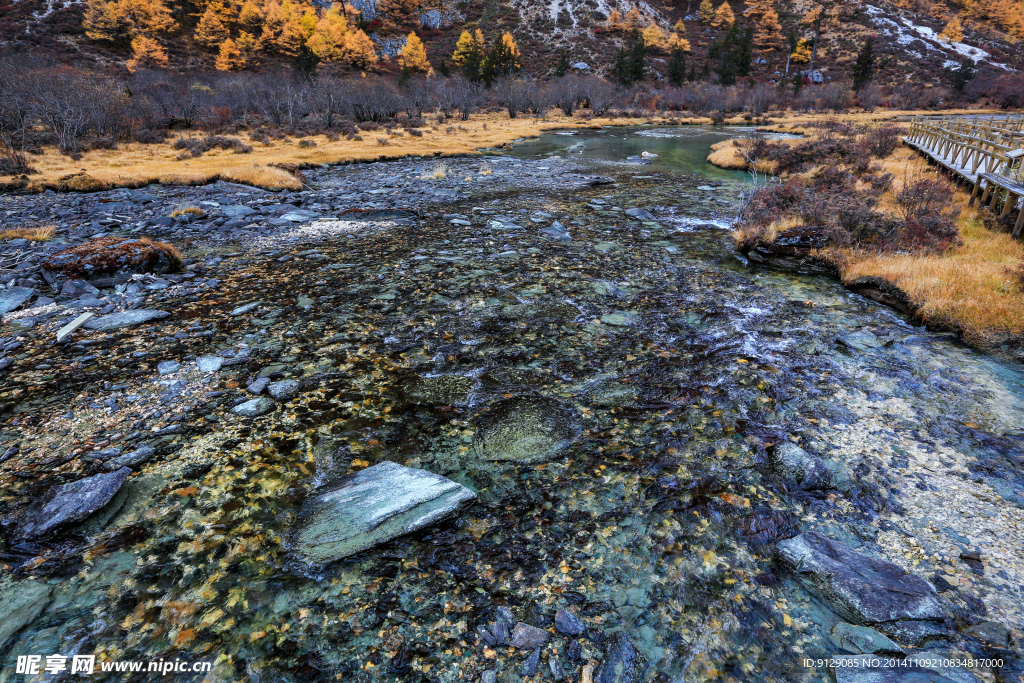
{"x":984,"y":150}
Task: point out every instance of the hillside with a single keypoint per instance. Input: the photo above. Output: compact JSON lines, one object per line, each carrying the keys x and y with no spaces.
{"x":191,"y":33}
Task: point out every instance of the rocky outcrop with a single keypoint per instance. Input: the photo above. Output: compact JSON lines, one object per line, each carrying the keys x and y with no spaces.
{"x":372,"y":507}
{"x":791,"y":250}
{"x":864,"y":589}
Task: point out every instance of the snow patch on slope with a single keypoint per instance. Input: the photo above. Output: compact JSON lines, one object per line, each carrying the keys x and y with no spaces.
{"x":909,"y":32}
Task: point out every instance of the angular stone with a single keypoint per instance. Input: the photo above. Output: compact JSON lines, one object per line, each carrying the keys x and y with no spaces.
{"x":640,"y":214}
{"x":793,"y":464}
{"x":11,"y":298}
{"x":254,"y":408}
{"x":528,"y":429}
{"x":258,"y":386}
{"x":991,"y":632}
{"x":918,"y":668}
{"x":373,"y":507}
{"x":863,"y":589}
{"x":168,"y":367}
{"x":568,"y":623}
{"x":133,"y":459}
{"x":209,"y":363}
{"x":125,"y":319}
{"x":440,"y":390}
{"x":622,"y":662}
{"x":526,"y":637}
{"x":284,"y":389}
{"x":78,"y":289}
{"x":245,"y":308}
{"x":69,"y":503}
{"x":530,"y":664}
{"x":861,"y":340}
{"x":861,"y":640}
{"x":20,"y":603}
{"x":69,"y":329}
{"x":237,"y":210}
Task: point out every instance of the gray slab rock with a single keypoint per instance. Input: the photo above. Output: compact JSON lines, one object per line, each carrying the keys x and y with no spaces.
{"x":11,"y":298}
{"x":864,"y":589}
{"x":140,"y":455}
{"x":209,"y":363}
{"x":640,"y":214}
{"x":125,"y":319}
{"x":167,"y":367}
{"x":622,"y":662}
{"x":20,"y":603}
{"x":373,"y":507}
{"x":568,"y":623}
{"x":69,"y":329}
{"x":78,"y":289}
{"x":284,"y":389}
{"x":237,"y":210}
{"x":527,"y":637}
{"x":862,"y":640}
{"x":530,"y":664}
{"x":254,"y":407}
{"x":69,"y":503}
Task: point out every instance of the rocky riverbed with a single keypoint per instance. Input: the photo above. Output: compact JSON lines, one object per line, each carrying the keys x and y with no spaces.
{"x":492,"y":419}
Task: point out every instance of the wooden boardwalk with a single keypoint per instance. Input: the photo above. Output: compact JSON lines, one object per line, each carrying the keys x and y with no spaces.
{"x":985,"y":151}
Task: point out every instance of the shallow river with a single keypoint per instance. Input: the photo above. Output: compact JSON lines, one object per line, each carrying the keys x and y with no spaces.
{"x":624,"y":392}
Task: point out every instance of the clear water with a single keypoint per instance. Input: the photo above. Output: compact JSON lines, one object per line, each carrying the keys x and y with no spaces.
{"x":682,"y":366}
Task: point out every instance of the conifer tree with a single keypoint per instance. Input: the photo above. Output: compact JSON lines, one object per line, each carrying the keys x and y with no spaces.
{"x":629,"y":63}
{"x":864,"y":67}
{"x":706,"y":12}
{"x":680,"y":28}
{"x":724,"y":17}
{"x":360,"y":50}
{"x":954,"y":30}
{"x":614,"y":20}
{"x":147,"y":53}
{"x":414,"y":56}
{"x":469,"y":54}
{"x":229,"y":58}
{"x":212,"y":30}
{"x":249,"y":46}
{"x":801,"y":51}
{"x":768,"y":34}
{"x":677,"y":67}
{"x":120,"y":21}
{"x":654,"y":37}
{"x":501,"y":60}
{"x":250,"y":18}
{"x":563,"y":65}
{"x":731,"y":54}
{"x":328,"y":39}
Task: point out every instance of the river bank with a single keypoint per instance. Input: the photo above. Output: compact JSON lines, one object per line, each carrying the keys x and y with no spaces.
{"x":273,"y":158}
{"x":652,"y":436}
{"x":969,"y":284}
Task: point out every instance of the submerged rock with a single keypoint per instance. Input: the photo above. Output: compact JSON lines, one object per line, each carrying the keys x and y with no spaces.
{"x":791,"y":463}
{"x":864,"y":589}
{"x":568,"y":623}
{"x":622,"y":662}
{"x":254,"y":407}
{"x":527,"y":637}
{"x":441,"y":390}
{"x":548,"y":310}
{"x":528,"y":429}
{"x":20,"y":603}
{"x":69,"y":503}
{"x":920,"y":668}
{"x":125,"y":319}
{"x":862,"y":640}
{"x":372,"y":507}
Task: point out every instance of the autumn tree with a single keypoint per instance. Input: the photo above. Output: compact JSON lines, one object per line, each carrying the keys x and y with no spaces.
{"x":414,"y":56}
{"x":801,"y":53}
{"x":706,"y":12}
{"x":614,"y":22}
{"x":212,"y":29}
{"x":501,"y":60}
{"x":229,"y":57}
{"x":146,"y":53}
{"x":469,"y":54}
{"x":250,"y":18}
{"x":768,"y":31}
{"x":329,"y":34}
{"x":249,"y":45}
{"x":954,"y":31}
{"x":120,"y":21}
{"x":360,"y":50}
{"x":724,"y":17}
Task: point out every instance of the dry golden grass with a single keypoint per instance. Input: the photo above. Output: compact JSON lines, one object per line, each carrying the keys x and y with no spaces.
{"x":974,"y":288}
{"x":728,"y":154}
{"x":188,"y":210}
{"x":38,"y":234}
{"x":267,"y":177}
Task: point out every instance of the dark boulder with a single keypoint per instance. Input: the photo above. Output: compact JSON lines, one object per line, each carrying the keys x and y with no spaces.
{"x":110,"y":257}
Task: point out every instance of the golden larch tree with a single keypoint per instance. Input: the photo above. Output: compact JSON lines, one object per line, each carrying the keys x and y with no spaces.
{"x":229,"y":58}
{"x":212,"y":29}
{"x":328,"y":39}
{"x":724,"y":17}
{"x":360,"y":50}
{"x":614,"y":22}
{"x":413,"y":55}
{"x":768,"y":31}
{"x":706,"y":12}
{"x":146,"y":53}
{"x":469,"y":44}
{"x":954,"y":31}
{"x":802,"y":52}
{"x":250,"y":18}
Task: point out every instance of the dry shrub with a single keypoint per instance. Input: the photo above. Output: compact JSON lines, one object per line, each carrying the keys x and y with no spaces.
{"x":882,"y":141}
{"x":188,"y":211}
{"x":383,"y":142}
{"x":109,"y":255}
{"x":196,"y":147}
{"x":929,"y":214}
{"x":307,"y":143}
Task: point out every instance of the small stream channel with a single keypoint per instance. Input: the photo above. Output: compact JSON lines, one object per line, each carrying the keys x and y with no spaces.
{"x":663,"y":371}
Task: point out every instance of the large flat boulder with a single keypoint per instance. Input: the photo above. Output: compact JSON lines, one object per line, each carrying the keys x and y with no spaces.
{"x":69,"y":503}
{"x":13,"y":297}
{"x":372,"y":507}
{"x":864,"y":589}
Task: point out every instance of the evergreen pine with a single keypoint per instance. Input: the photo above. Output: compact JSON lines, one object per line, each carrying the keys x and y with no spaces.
{"x":677,"y":67}
{"x":563,"y":66}
{"x":863,"y":68}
